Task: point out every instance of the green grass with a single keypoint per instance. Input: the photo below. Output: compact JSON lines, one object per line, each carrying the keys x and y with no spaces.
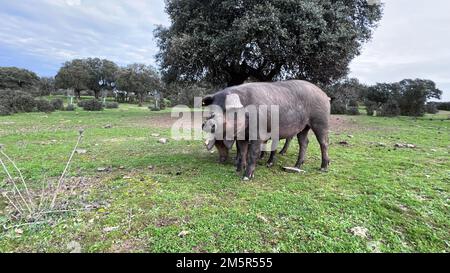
{"x":401,"y":196}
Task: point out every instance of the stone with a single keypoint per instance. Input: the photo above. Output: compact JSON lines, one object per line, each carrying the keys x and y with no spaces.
{"x":183,"y":233}
{"x":403,"y":145}
{"x":293,"y":170}
{"x":74,"y":247}
{"x":110,"y":229}
{"x":163,"y":140}
{"x":360,"y":232}
{"x":374,"y":247}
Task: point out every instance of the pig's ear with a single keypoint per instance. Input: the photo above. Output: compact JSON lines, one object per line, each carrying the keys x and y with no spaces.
{"x":233,"y":102}
{"x":208,"y":100}
{"x":228,"y":143}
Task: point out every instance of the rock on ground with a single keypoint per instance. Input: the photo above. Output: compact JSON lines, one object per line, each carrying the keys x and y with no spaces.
{"x":360,"y":232}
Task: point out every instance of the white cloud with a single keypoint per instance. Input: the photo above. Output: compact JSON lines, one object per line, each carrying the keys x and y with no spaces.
{"x":73,"y":2}
{"x":411,"y":42}
{"x":58,"y":30}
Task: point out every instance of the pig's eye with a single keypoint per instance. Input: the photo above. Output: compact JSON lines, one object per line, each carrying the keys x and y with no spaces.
{"x":213,"y":128}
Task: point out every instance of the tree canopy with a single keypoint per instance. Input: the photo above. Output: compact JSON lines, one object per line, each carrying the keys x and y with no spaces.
{"x":409,"y":96}
{"x":85,"y":74}
{"x":100,"y":70}
{"x":140,"y":79}
{"x":73,"y":75}
{"x":47,"y":85}
{"x":346,"y":91}
{"x":231,"y":41}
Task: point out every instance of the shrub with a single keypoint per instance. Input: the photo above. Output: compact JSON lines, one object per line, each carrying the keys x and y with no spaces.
{"x":6,"y":97}
{"x":390,"y":109}
{"x":338,"y":108}
{"x":23,"y":102}
{"x":5,"y":110}
{"x":184,"y":94}
{"x":71,"y":107}
{"x":132,"y":98}
{"x":353,"y":110}
{"x":92,"y":105}
{"x":44,"y":106}
{"x":431,"y":108}
{"x":82,"y":103}
{"x":165,"y":103}
{"x":112,"y":105}
{"x":371,"y":107}
{"x":443,"y":106}
{"x":153,"y":108}
{"x":58,"y":104}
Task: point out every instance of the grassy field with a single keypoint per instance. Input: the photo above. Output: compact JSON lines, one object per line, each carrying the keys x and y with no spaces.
{"x":175,"y":197}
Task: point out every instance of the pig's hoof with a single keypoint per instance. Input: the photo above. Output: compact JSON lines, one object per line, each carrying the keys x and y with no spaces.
{"x":246,"y":178}
{"x":324,"y":170}
{"x":270,"y":165}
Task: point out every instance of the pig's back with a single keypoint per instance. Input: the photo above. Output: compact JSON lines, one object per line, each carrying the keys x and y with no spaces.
{"x":300,"y":103}
{"x":288,"y":95}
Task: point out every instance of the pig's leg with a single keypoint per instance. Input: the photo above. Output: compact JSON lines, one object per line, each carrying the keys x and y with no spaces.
{"x":322,"y":137}
{"x":238,"y":154}
{"x":272,"y":159}
{"x":223,"y":152}
{"x":286,"y":146}
{"x":254,"y":150}
{"x":263,"y":153}
{"x":303,"y":146}
{"x":242,"y":158}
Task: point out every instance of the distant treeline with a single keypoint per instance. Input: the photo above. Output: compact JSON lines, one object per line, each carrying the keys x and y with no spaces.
{"x":18,"y":87}
{"x":407,"y":97}
{"x":443,"y":106}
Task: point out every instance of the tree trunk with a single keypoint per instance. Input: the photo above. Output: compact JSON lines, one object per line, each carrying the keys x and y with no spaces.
{"x":141,"y":100}
{"x":78,"y":94}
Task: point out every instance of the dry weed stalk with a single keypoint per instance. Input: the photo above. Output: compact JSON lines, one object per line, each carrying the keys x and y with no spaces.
{"x":22,"y":200}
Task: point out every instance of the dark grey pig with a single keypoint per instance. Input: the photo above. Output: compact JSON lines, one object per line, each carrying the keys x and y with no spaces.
{"x":302,"y":106}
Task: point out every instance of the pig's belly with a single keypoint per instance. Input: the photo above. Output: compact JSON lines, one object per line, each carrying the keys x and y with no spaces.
{"x":291,"y":128}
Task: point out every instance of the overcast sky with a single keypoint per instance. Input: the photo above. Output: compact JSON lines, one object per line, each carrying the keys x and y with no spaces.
{"x":412,"y":41}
